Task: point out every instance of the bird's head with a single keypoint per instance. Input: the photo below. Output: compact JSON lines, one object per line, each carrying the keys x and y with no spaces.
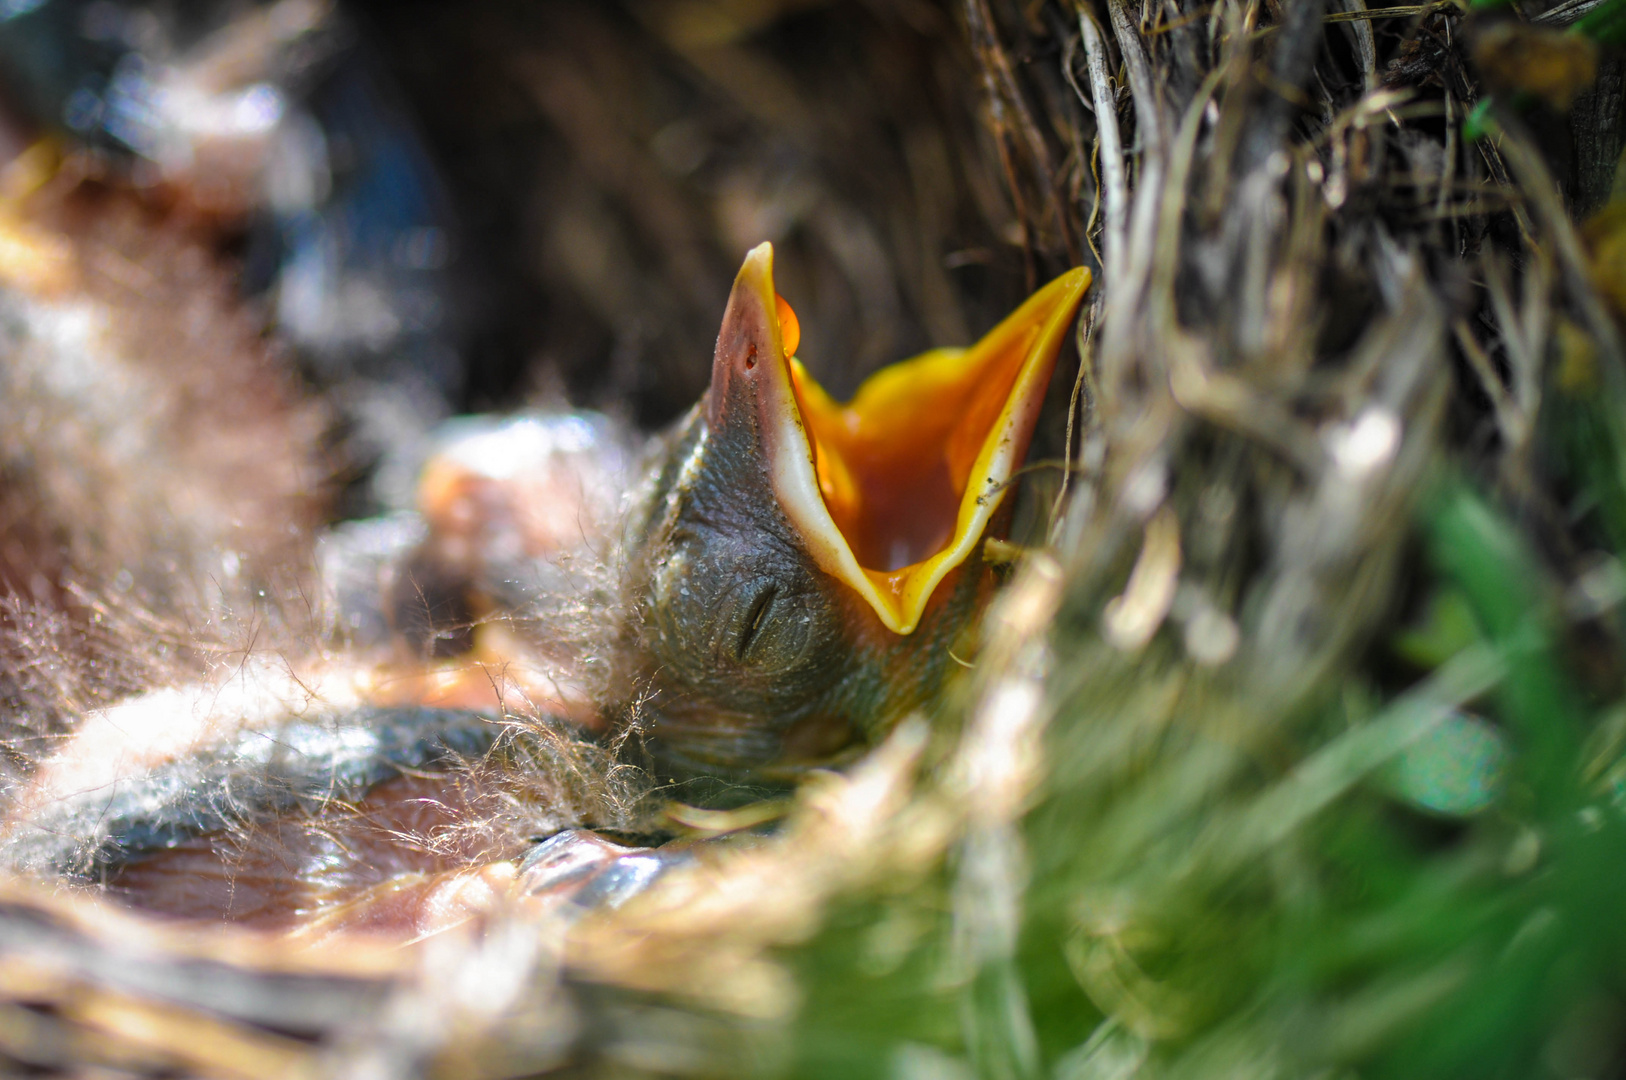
{"x":805,"y":567}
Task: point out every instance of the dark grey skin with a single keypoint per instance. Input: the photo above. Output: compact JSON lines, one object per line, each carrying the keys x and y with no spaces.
{"x":299,"y":765}
{"x":744,"y":658}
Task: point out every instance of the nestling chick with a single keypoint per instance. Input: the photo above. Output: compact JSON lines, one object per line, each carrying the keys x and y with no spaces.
{"x":803,"y":569}
{"x":788,"y":585}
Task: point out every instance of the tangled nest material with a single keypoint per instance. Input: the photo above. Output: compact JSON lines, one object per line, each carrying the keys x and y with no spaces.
{"x":1344,"y":485}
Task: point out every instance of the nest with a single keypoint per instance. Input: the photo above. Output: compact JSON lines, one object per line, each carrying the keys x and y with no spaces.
{"x":1294,"y":748}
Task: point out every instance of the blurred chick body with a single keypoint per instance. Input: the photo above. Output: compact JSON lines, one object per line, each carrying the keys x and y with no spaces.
{"x":545,"y":617}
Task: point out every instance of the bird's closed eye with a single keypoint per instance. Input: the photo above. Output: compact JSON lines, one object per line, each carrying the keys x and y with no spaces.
{"x":755,"y":617}
{"x":764,"y":628}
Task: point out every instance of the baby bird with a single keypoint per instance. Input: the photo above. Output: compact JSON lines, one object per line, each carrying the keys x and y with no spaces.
{"x":791,"y":578}
{"x":802,"y":570}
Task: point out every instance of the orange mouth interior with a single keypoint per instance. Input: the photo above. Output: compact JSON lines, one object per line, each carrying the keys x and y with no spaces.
{"x":893,"y":464}
{"x":912,"y":468}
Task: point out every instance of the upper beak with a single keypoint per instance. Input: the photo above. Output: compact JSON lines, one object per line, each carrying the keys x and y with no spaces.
{"x":891,"y":491}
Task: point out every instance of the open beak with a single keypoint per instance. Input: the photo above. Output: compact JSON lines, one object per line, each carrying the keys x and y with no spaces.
{"x":893,"y":490}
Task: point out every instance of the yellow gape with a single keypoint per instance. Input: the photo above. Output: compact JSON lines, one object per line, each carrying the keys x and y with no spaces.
{"x":893,"y":490}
